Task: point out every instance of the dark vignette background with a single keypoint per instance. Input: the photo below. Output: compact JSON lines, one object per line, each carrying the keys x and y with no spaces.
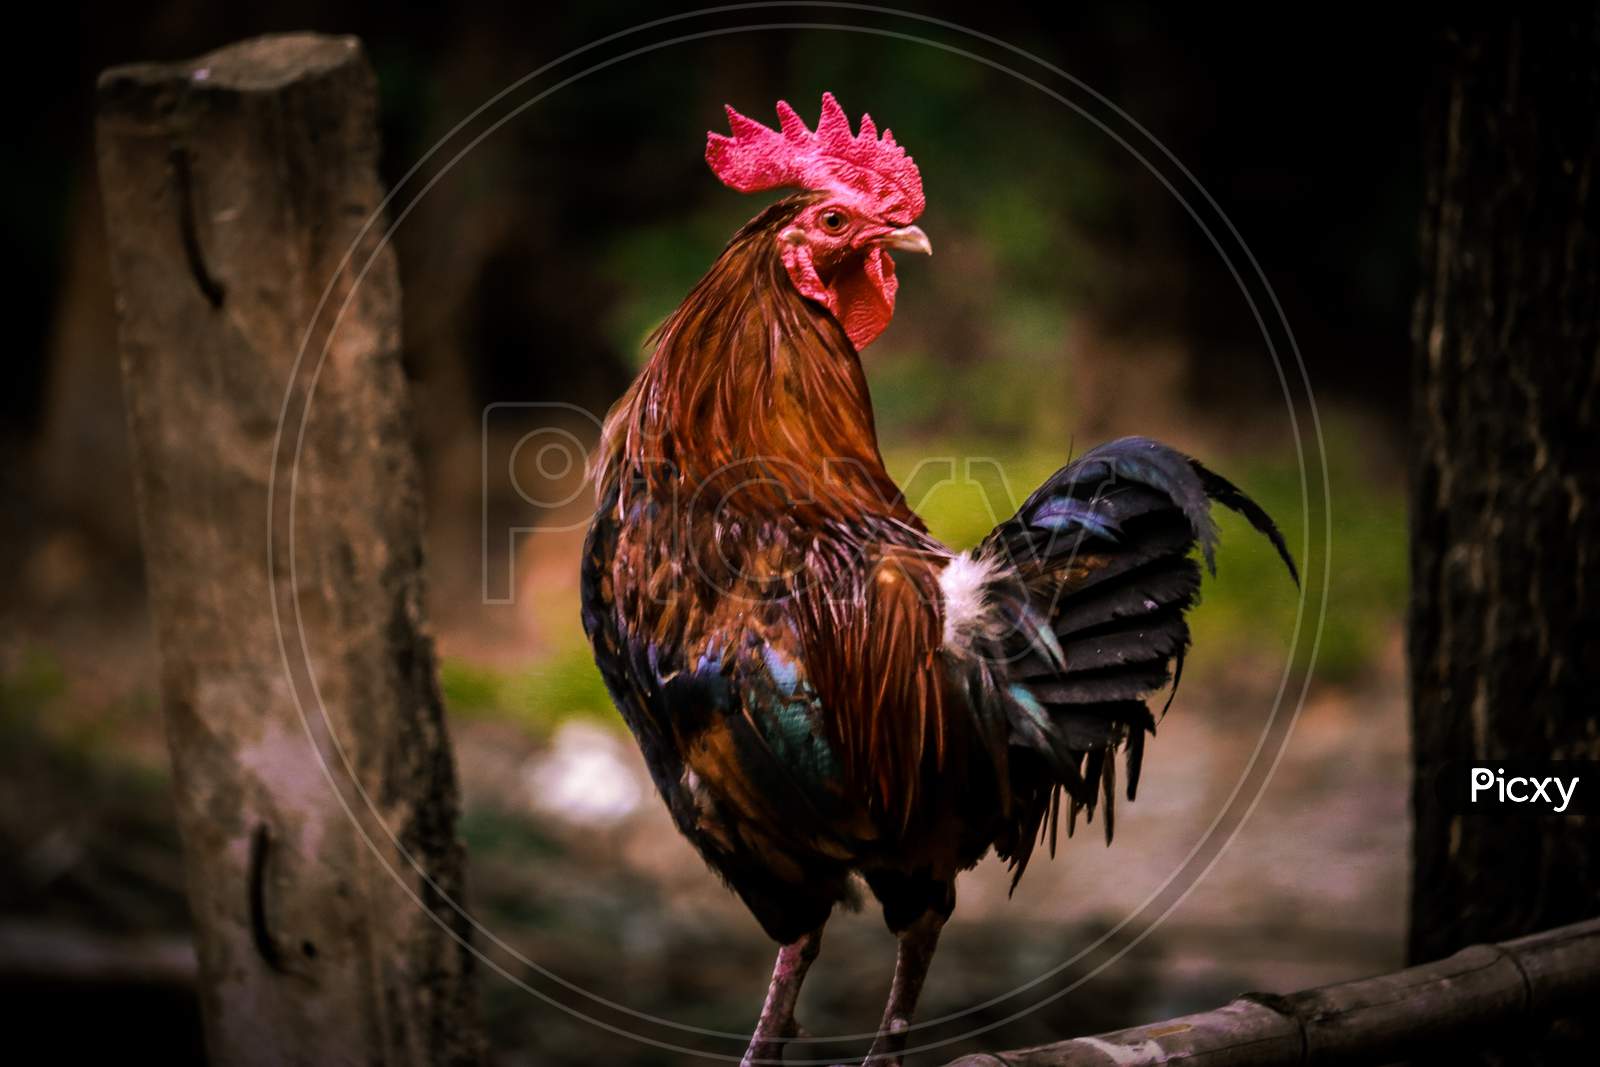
{"x":1070,"y":301}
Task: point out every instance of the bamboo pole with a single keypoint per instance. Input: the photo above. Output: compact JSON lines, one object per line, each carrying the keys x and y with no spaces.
{"x":1477,"y":991}
{"x":317,"y":821}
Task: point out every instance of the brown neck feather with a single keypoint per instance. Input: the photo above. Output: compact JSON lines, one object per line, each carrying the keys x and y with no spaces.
{"x":753,"y":386}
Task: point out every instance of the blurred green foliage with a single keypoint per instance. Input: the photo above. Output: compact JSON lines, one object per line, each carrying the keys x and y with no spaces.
{"x":963,"y":486}
{"x":491,"y":830}
{"x":34,"y":728}
{"x":73,"y":790}
{"x":559,"y":685}
{"x":1250,"y":605}
{"x":28,"y":687}
{"x":1249,"y":609}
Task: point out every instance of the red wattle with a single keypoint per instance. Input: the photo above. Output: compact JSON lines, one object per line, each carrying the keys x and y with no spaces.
{"x":861,"y":296}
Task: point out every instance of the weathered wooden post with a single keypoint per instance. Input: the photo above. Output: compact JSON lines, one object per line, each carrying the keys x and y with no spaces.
{"x":317,"y":819}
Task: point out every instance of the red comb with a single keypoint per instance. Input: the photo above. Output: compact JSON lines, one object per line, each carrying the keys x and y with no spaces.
{"x":757,"y":157}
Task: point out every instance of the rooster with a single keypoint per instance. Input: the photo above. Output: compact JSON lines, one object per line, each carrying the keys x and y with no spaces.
{"x":820,"y":688}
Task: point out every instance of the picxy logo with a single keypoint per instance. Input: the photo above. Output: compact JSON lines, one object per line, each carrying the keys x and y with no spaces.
{"x":1520,"y":789}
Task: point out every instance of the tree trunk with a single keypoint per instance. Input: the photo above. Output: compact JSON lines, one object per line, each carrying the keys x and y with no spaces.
{"x":317,"y":820}
{"x":1505,"y":615}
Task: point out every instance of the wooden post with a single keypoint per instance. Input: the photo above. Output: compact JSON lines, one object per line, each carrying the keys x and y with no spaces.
{"x":1433,"y":1011}
{"x":317,"y":819}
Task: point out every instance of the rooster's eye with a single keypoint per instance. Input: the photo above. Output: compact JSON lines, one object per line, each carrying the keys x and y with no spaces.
{"x":832,"y":221}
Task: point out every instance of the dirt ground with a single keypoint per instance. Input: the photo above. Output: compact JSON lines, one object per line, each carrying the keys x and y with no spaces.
{"x":1310,"y":891}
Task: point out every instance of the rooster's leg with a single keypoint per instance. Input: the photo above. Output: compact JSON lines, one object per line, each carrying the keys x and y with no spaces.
{"x":777,"y":1023}
{"x":917,"y":944}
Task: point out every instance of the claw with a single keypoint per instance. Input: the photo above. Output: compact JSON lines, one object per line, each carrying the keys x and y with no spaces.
{"x":762,"y":1052}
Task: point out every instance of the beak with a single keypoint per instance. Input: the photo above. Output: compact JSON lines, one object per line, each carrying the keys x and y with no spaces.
{"x":907,"y":239}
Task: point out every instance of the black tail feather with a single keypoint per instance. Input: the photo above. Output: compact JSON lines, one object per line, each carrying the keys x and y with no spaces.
{"x":1231,"y":496}
{"x":1104,"y":552}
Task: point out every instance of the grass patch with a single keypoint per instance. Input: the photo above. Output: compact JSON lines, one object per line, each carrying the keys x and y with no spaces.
{"x":561,"y":686}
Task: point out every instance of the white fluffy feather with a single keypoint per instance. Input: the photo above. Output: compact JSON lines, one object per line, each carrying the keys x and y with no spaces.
{"x":964,"y":585}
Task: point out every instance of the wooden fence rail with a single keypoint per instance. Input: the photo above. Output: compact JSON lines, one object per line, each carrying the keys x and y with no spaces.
{"x":1482,"y":989}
